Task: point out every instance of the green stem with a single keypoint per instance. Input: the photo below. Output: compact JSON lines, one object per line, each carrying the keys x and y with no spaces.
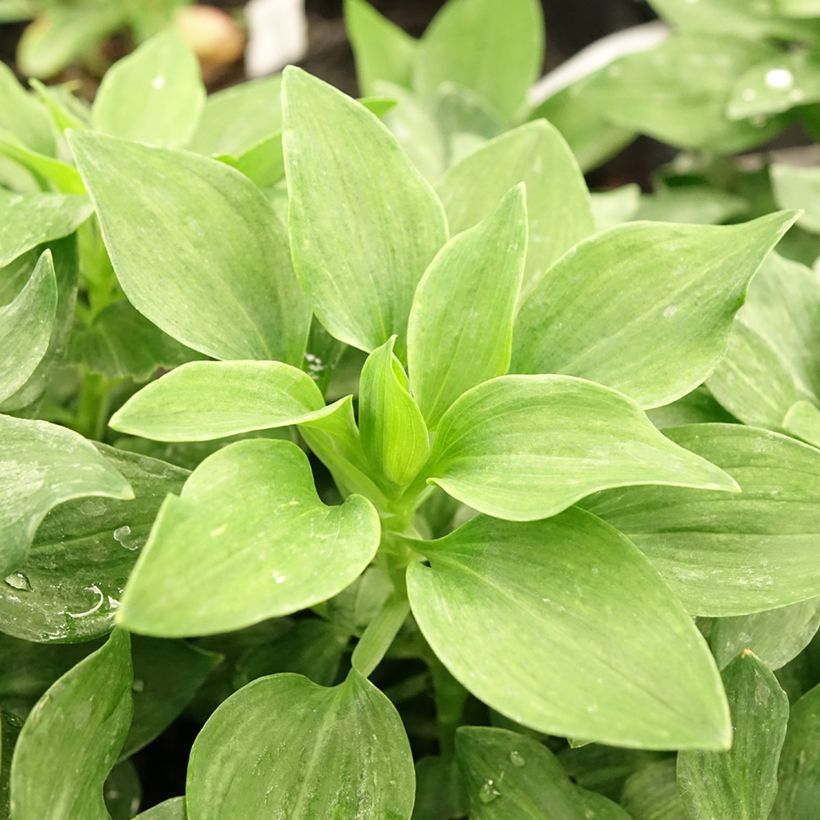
{"x":380,"y":632}
{"x":93,"y":406}
{"x":450,"y":698}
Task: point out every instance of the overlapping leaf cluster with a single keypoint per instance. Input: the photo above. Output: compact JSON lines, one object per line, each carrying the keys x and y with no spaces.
{"x":421,"y":421}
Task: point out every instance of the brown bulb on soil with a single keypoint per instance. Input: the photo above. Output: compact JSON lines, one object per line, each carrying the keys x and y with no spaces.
{"x":213,"y":35}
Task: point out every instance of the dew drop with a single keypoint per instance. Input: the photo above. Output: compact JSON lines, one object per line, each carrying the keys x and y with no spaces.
{"x":158,"y":82}
{"x":18,"y":580}
{"x":138,"y":685}
{"x":280,"y":579}
{"x":121,"y":536}
{"x":488,"y":792}
{"x":517,"y":759}
{"x":780,"y":78}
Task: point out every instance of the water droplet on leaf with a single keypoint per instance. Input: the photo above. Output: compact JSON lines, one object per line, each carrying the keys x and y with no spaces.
{"x":488,"y":792}
{"x":18,"y":580}
{"x":517,"y":759}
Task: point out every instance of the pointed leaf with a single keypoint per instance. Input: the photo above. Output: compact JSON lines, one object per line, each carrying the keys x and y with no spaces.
{"x":461,"y":322}
{"x":494,"y":49}
{"x":511,"y":775}
{"x":732,"y":554}
{"x":776,"y":636}
{"x":43,"y":465}
{"x":381,"y":49}
{"x":69,"y":586}
{"x":563,"y":626}
{"x":217,"y":279}
{"x":652,"y":793}
{"x":251,"y":539}
{"x":26,"y":326}
{"x":527,"y":447}
{"x":800,"y":188}
{"x":393,"y":433}
{"x":23,"y":115}
{"x":803,"y":420}
{"x":200,"y":401}
{"x":742,"y":781}
{"x":154,"y":95}
{"x":307,"y":751}
{"x":558,"y":205}
{"x":364,"y":223}
{"x":644,"y":308}
{"x":61,"y":175}
{"x":72,"y":738}
{"x":173,"y":809}
{"x":29,"y":220}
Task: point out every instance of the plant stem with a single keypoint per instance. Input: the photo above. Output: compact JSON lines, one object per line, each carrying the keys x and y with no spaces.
{"x":380,"y":632}
{"x":92,"y":407}
{"x":450,"y":698}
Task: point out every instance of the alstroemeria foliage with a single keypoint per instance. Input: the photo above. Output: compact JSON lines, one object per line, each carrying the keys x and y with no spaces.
{"x":299,"y":423}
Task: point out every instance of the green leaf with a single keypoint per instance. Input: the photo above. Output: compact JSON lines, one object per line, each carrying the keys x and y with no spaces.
{"x":439,"y":789}
{"x":697,"y":407}
{"x":602,"y":768}
{"x":778,"y":84}
{"x":381,"y":49}
{"x":237,"y":118}
{"x":740,"y":782}
{"x":798,"y":794}
{"x":69,"y":586}
{"x":307,"y":751}
{"x":122,"y":791}
{"x":512,"y":775}
{"x":201,"y":401}
{"x":563,"y":626}
{"x":494,"y":49}
{"x":803,"y":420}
{"x":651,"y":793}
{"x":26,"y":327}
{"x":728,"y":554}
{"x":615,"y":206}
{"x":461,"y":323}
{"x":72,"y":738}
{"x":558,"y":204}
{"x":167,"y":675}
{"x":62,"y":176}
{"x":23,"y":115}
{"x":217,"y":279}
{"x":64,"y":33}
{"x":28,"y":220}
{"x":800,"y":187}
{"x":66,"y":271}
{"x":42,"y":465}
{"x":154,"y":95}
{"x":364,"y":224}
{"x":678,"y":92}
{"x":776,"y":636}
{"x":771,"y":360}
{"x":393,"y":433}
{"x":644,"y":308}
{"x":798,"y":8}
{"x":251,"y":539}
{"x":122,"y":344}
{"x":527,"y":447}
{"x":694,"y":204}
{"x":173,"y":809}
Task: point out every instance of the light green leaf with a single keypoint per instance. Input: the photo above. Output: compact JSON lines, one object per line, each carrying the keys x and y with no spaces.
{"x":615,"y":206}
{"x":263,"y":163}
{"x":731,"y":554}
{"x":461,"y":323}
{"x":563,"y":626}
{"x":694,"y":204}
{"x":167,"y":675}
{"x":201,"y":401}
{"x":798,"y":794}
{"x":237,"y":118}
{"x":803,"y":420}
{"x":62,"y":176}
{"x":307,"y":751}
{"x":26,"y":327}
{"x":464,"y":118}
{"x":173,"y":809}
{"x":678,"y":92}
{"x":122,"y":344}
{"x":494,"y":49}
{"x":604,"y":768}
{"x":776,"y":636}
{"x":798,"y":8}
{"x":697,"y":407}
{"x":42,"y":465}
{"x":778,"y":84}
{"x":23,"y":115}
{"x":740,"y":782}
{"x":69,"y":586}
{"x":439,"y":789}
{"x":511,"y":775}
{"x":651,"y":793}
{"x":66,"y":264}
{"x":364,"y":223}
{"x":527,"y":447}
{"x":67,"y":110}
{"x":558,"y":205}
{"x":800,"y":187}
{"x":251,"y":539}
{"x":154,"y":95}
{"x":72,"y":738}
{"x":771,"y":360}
{"x":644,"y":308}
{"x":217,"y":279}
{"x":393,"y":433}
{"x":381,"y":49}
{"x":29,"y":220}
